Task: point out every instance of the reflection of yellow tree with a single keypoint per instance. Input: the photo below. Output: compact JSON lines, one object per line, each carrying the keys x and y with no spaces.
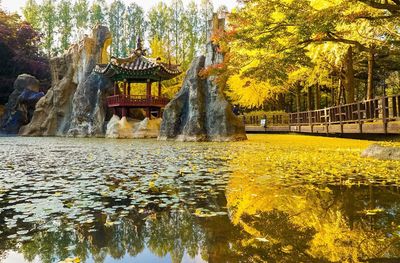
{"x":342,"y":232}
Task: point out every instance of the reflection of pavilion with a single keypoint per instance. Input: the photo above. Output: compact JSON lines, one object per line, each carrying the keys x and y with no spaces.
{"x":137,"y":69}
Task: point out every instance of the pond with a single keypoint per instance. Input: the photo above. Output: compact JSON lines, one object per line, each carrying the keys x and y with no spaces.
{"x":274,"y":198}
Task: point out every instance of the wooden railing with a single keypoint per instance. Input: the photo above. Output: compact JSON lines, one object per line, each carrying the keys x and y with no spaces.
{"x":272,"y":120}
{"x":136,"y":100}
{"x":383,"y":109}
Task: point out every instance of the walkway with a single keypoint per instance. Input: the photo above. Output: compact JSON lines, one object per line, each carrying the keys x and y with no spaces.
{"x":376,"y":116}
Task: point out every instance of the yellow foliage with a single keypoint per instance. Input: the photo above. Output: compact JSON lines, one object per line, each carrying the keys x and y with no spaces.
{"x":323,"y":4}
{"x":249,"y":92}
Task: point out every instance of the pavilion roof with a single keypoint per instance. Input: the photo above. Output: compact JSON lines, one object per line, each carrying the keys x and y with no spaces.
{"x":138,"y":68}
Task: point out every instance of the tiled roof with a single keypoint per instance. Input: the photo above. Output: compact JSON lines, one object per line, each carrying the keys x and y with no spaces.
{"x":138,"y":67}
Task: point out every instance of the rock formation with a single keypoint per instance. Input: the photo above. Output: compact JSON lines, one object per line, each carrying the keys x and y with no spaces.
{"x":200,"y":112}
{"x":132,"y":129}
{"x":382,"y":152}
{"x":74,"y":105}
{"x":21,"y":104}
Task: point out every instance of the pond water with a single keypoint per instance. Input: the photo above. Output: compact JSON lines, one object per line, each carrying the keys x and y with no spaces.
{"x":274,"y":198}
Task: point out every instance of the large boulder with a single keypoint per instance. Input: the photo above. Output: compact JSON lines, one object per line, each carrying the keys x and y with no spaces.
{"x":382,"y":152}
{"x":200,"y":112}
{"x":21,"y":104}
{"x":123,"y":128}
{"x":74,"y":105}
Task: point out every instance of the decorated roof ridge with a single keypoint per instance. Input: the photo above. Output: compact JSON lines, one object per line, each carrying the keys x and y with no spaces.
{"x":138,"y":64}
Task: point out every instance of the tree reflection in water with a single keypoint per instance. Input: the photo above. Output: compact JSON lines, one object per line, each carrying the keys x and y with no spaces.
{"x":317,"y":223}
{"x":161,"y":232}
{"x":293,"y":224}
{"x":112,"y":213}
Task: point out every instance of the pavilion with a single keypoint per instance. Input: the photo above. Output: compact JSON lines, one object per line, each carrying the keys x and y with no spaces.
{"x":137,"y":68}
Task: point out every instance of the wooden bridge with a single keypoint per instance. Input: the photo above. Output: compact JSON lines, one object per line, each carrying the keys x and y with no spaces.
{"x":376,"y":116}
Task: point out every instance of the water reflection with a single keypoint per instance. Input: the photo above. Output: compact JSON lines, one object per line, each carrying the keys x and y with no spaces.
{"x":319,"y":224}
{"x":148,"y":201}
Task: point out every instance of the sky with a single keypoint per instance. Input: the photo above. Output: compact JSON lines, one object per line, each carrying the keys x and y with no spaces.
{"x":16,"y":5}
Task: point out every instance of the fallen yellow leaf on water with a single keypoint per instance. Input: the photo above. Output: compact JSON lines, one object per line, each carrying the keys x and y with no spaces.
{"x":71,"y":260}
{"x":109,"y":223}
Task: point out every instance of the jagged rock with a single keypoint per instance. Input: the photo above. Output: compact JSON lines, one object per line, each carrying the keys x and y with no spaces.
{"x":74,"y":105}
{"x":21,"y":104}
{"x":2,"y":111}
{"x":132,"y":129}
{"x":382,"y":152}
{"x":147,"y":128}
{"x":200,"y":112}
{"x":89,"y":111}
{"x":119,"y":128}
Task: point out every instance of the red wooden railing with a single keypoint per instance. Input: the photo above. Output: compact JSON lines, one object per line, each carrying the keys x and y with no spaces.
{"x":136,"y":100}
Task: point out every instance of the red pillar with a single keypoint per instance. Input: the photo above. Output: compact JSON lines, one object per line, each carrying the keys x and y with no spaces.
{"x":148,"y":89}
{"x":148,"y":113}
{"x":129,"y":89}
{"x":124,"y":111}
{"x":125,"y":88}
{"x":115,"y":88}
{"x":159,"y":89}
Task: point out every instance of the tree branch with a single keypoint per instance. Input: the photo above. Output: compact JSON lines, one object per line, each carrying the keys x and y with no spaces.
{"x":391,"y":8}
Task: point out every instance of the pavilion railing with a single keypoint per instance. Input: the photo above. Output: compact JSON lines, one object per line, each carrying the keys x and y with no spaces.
{"x":136,"y":100}
{"x":383,"y":109}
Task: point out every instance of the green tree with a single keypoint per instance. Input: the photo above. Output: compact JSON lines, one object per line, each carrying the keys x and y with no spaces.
{"x":81,"y":15}
{"x":116,"y":21}
{"x":206,"y":13}
{"x":177,"y":22}
{"x":159,"y":29}
{"x":97,"y":12}
{"x":192,"y":32}
{"x":31,"y":12}
{"x":48,"y":24}
{"x":64,"y":23}
{"x":135,"y":26}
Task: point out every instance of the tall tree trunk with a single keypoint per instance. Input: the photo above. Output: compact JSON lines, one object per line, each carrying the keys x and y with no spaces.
{"x":371,"y":61}
{"x":317,"y":97}
{"x":349,"y":76}
{"x":333,"y":99}
{"x":339,"y":97}
{"x":281,"y":101}
{"x":309,"y":98}
{"x":298,"y":98}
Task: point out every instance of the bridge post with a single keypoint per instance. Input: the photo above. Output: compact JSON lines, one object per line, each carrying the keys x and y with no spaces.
{"x":340,"y":119}
{"x":384,"y":115}
{"x":360,"y":122}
